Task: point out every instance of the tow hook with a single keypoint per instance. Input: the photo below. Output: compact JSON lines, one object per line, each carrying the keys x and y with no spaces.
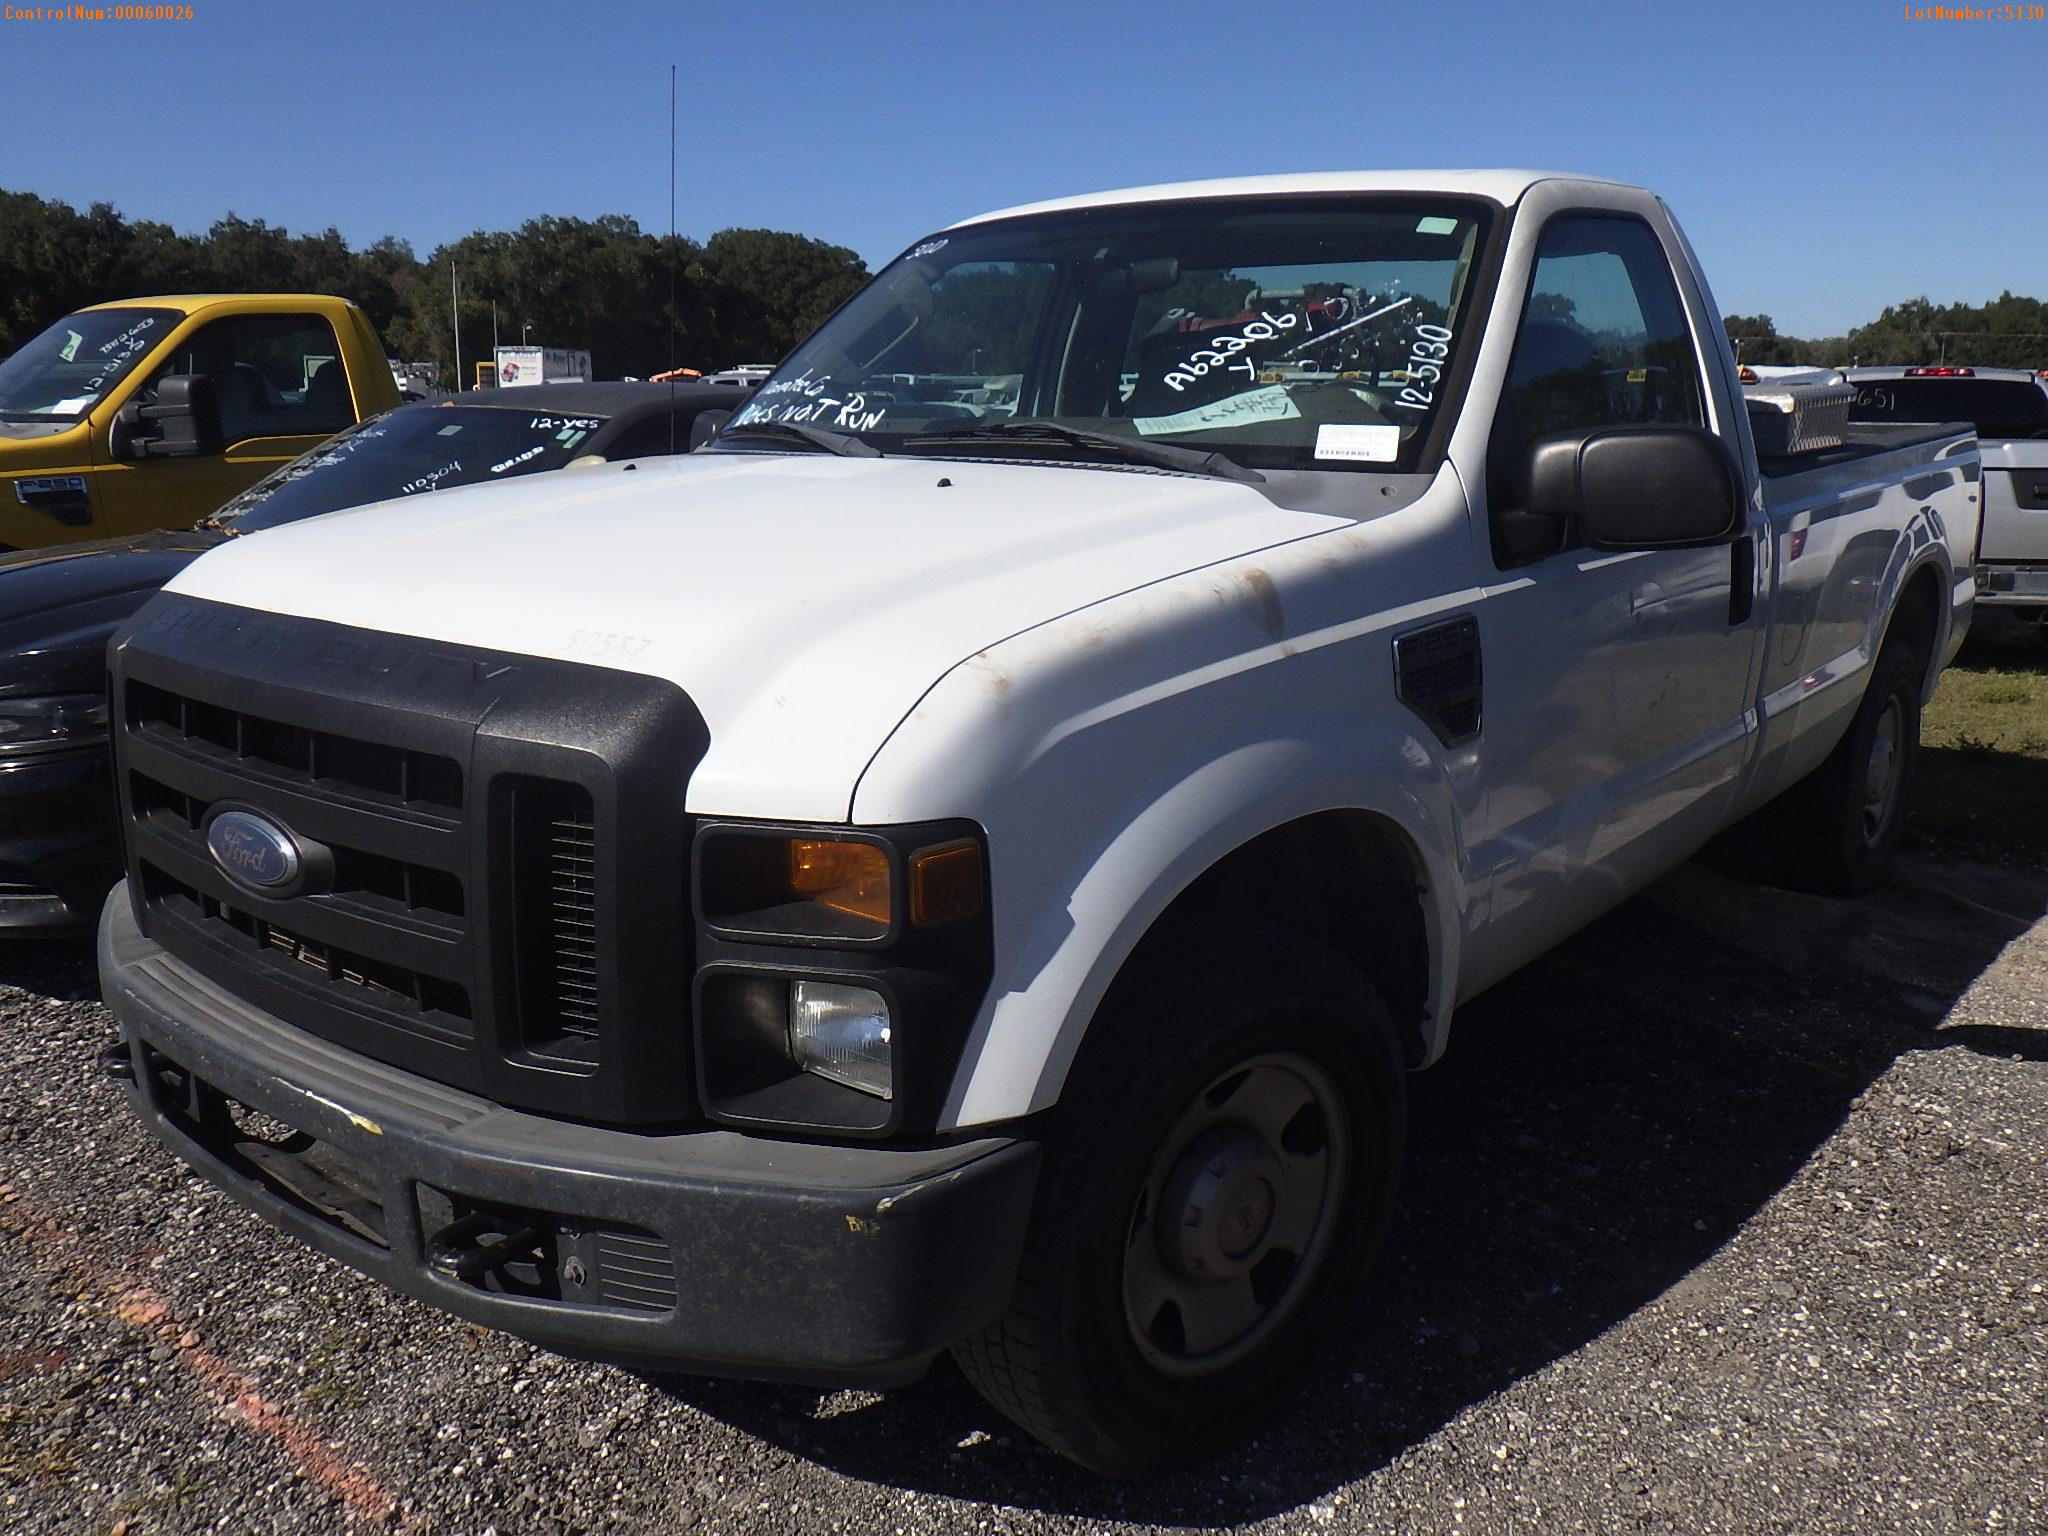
{"x":118,"y":1062}
{"x":471,"y":1248}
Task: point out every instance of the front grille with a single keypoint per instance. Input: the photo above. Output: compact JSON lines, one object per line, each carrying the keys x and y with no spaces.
{"x":498,"y":891}
{"x":381,"y":949}
{"x":370,"y":879}
{"x":273,"y":749}
{"x":406,"y":1000}
{"x":555,"y":834}
{"x":635,"y":1269}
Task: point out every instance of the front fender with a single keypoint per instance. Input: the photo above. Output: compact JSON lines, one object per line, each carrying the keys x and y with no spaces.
{"x":1116,"y":754}
{"x":1061,"y":941}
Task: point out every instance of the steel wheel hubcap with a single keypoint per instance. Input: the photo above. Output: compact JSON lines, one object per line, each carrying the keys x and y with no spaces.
{"x":1880,"y":777}
{"x":1235,"y":1215}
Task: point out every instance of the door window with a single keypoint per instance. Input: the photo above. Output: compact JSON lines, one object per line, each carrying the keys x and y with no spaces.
{"x":1603,"y":340}
{"x":274,"y":375}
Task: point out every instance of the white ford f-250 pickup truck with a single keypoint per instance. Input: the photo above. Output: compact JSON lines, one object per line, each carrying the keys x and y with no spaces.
{"x":968,"y":860}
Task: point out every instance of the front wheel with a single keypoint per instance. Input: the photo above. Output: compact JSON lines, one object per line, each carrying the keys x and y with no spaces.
{"x":1218,"y":1173}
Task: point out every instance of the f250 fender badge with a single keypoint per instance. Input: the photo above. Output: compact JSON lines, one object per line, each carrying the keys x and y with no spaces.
{"x":256,"y":852}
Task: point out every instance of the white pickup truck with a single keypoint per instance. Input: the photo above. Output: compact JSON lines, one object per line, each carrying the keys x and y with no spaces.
{"x":919,"y":876}
{"x":2009,"y":409}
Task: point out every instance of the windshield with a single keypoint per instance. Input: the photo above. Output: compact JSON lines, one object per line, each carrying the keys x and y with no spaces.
{"x":61,"y":374}
{"x":410,"y":452}
{"x":1283,"y":333}
{"x":1999,"y":408}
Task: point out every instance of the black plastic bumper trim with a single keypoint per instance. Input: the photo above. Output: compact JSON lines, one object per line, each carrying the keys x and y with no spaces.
{"x":794,"y":1261}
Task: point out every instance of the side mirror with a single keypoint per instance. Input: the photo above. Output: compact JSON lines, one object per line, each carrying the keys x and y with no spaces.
{"x":183,"y":423}
{"x":1638,"y":487}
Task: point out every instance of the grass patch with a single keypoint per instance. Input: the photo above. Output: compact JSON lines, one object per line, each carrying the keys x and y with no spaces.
{"x":1983,"y":782}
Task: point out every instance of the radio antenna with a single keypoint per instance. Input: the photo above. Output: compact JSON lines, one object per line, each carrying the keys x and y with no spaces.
{"x":671,"y":364}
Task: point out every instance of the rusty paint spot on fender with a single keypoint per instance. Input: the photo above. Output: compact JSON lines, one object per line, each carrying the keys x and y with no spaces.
{"x":1262,"y":601}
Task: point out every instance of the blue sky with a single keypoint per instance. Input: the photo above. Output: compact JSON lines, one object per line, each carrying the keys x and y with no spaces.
{"x":1826,"y":156}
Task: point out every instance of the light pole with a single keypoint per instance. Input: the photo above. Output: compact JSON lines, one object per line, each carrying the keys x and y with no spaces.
{"x":455,"y":318}
{"x":524,"y":327}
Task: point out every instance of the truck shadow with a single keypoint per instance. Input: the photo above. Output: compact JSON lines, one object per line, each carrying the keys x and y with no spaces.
{"x":1604,"y":1122}
{"x":59,"y":966}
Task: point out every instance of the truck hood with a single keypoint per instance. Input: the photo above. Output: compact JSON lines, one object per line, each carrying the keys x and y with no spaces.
{"x":804,"y":602}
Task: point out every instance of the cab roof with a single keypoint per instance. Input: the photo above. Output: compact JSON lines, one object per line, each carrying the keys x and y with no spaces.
{"x":193,"y":303}
{"x":1505,"y":187}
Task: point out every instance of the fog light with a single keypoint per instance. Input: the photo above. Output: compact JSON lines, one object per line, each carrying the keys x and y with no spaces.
{"x":841,"y":1033}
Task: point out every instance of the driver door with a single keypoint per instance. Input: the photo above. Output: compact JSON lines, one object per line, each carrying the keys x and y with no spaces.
{"x":1617,"y":684}
{"x":282,"y":389}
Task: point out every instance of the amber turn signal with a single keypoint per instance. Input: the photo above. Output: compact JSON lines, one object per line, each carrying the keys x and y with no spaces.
{"x":945,"y":882}
{"x":847,"y":877}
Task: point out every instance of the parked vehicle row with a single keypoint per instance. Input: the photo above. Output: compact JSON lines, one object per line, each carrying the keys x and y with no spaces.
{"x":149,"y":413}
{"x":932,"y":874}
{"x":2009,"y":409}
{"x":59,"y":852}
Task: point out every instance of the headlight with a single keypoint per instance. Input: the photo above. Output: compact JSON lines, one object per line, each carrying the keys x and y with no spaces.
{"x":850,"y":878}
{"x":858,"y":887}
{"x":51,"y":723}
{"x":839,"y":971}
{"x":841,"y":1033}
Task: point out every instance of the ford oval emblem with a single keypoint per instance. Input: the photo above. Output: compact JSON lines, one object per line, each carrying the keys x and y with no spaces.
{"x":253,"y":850}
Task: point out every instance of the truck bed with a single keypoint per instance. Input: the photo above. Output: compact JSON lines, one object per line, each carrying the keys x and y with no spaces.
{"x":1864,"y":440}
{"x":1873,"y":455}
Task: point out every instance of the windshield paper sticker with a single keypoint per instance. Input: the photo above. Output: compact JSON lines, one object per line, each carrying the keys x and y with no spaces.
{"x":1269,"y":404}
{"x":1359,"y":444}
{"x":72,"y":342}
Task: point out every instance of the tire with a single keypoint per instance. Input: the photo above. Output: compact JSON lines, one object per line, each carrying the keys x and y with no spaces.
{"x":1249,"y":1078}
{"x":1841,"y":824}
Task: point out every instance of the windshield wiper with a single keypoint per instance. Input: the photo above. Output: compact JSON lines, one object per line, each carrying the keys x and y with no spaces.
{"x":802,"y":432}
{"x":1132,"y":450}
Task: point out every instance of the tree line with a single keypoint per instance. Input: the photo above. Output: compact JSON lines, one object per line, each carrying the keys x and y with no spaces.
{"x":2007,"y":332}
{"x":639,"y":303}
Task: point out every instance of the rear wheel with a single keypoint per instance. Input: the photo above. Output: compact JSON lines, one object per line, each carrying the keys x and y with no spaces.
{"x":1217,"y":1174}
{"x":1843,"y":822}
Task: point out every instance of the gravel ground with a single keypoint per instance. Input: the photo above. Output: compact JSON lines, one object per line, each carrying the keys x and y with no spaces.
{"x":1731,"y":1215}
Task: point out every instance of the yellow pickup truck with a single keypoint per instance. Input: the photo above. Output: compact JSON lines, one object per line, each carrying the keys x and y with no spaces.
{"x":149,"y":413}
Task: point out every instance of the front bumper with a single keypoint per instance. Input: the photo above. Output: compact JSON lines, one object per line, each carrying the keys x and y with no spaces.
{"x":699,"y":1250}
{"x":59,"y":853}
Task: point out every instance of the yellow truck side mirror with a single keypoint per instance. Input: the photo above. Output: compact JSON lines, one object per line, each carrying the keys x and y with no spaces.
{"x":183,"y":422}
